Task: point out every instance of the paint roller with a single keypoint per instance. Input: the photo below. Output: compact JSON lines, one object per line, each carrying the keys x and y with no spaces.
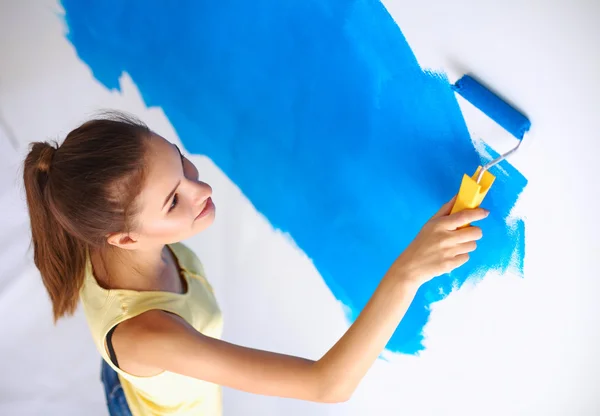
{"x":473,"y":189}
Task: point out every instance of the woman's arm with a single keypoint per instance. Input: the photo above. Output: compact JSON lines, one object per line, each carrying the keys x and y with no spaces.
{"x":163,"y":341}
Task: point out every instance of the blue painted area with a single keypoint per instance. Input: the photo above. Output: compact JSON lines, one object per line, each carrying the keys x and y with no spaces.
{"x":320,"y":113}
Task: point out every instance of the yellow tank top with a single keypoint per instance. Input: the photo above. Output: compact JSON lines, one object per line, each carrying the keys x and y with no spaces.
{"x":166,"y":393}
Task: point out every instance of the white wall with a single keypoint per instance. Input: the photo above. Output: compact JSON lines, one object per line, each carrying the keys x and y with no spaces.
{"x":506,"y":346}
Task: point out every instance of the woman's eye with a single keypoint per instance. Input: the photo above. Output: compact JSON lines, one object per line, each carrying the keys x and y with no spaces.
{"x":174,"y":203}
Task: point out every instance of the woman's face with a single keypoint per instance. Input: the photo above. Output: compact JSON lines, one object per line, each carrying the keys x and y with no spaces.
{"x":174,"y":204}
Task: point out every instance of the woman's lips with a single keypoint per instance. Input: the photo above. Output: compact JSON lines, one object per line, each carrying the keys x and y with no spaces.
{"x":208,"y":206}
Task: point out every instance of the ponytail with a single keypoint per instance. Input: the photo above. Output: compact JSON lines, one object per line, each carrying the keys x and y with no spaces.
{"x":78,"y":194}
{"x":59,"y":256}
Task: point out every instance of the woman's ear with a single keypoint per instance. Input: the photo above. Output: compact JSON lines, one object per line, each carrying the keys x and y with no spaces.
{"x":127,"y":241}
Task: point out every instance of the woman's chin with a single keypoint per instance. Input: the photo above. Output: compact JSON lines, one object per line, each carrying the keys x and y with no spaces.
{"x":201,"y":224}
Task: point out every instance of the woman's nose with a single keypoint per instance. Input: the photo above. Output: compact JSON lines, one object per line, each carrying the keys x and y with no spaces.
{"x":202,"y":191}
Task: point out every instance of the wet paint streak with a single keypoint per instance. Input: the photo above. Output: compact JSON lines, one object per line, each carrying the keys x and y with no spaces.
{"x":320,"y":113}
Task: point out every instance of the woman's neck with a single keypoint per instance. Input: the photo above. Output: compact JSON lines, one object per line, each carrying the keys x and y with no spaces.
{"x":116,"y":268}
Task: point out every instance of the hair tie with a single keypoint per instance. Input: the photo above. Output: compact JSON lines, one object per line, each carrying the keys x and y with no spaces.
{"x":46,"y":156}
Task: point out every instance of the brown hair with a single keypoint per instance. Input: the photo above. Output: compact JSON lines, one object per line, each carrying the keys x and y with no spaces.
{"x":77,"y":194}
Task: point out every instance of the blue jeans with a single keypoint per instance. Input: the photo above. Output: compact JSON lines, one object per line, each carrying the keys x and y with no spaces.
{"x":115,"y":396}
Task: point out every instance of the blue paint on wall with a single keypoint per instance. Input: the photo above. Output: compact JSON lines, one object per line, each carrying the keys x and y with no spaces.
{"x":320,"y":113}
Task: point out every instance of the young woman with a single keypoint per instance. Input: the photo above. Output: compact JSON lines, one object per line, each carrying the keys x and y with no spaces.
{"x":108,"y":208}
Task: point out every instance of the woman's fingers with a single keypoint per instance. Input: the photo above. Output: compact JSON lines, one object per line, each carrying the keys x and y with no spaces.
{"x":465,"y":235}
{"x":460,"y":260}
{"x":462,"y":218}
{"x":465,"y":248}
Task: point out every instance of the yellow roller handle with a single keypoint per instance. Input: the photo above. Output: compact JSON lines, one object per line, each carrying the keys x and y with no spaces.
{"x":471,"y":193}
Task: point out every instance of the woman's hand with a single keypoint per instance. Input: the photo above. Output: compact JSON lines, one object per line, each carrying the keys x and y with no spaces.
{"x":442,"y":245}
